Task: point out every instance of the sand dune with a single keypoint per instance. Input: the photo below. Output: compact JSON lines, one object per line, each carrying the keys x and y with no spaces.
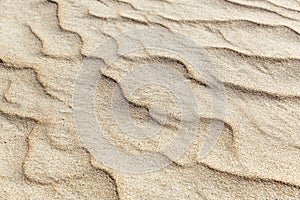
{"x":253,"y":46}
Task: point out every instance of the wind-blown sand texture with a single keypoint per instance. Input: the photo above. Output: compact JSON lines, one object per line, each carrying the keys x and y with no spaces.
{"x":255,"y":46}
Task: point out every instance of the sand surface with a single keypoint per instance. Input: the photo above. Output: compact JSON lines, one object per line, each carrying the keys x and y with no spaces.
{"x":253,"y":45}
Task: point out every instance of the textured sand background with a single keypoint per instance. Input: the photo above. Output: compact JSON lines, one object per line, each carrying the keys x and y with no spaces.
{"x":255,"y":45}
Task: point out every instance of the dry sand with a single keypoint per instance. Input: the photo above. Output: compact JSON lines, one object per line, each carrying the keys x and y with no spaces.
{"x":255,"y":46}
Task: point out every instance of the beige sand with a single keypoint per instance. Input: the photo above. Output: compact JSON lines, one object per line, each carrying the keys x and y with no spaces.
{"x":255,"y":47}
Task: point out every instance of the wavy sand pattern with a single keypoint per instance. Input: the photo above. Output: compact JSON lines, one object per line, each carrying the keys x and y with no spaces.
{"x":255,"y":47}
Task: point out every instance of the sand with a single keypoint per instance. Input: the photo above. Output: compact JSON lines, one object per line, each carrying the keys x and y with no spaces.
{"x":253,"y":46}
